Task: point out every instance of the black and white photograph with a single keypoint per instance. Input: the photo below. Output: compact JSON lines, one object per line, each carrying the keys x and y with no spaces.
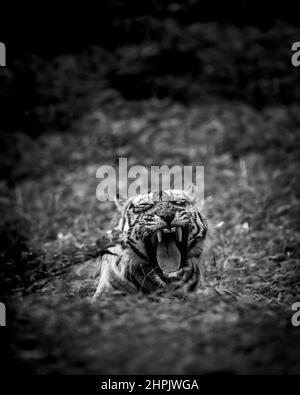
{"x":149,"y":191}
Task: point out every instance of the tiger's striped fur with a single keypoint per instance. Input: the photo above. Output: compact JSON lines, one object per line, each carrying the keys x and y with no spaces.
{"x":161,"y":240}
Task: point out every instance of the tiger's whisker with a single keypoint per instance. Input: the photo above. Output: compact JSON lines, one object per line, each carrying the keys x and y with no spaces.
{"x":144,"y":279}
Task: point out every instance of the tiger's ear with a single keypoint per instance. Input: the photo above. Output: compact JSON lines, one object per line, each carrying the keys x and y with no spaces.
{"x":122,"y":204}
{"x":191,"y":192}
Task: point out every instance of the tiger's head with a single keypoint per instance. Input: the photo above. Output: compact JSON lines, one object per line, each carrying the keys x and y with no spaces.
{"x":165,"y":232}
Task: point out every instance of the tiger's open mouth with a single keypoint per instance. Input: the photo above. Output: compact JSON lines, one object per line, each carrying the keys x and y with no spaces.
{"x":167,"y":249}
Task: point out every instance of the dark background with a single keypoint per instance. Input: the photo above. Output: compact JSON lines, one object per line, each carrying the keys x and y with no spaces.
{"x":185,"y":50}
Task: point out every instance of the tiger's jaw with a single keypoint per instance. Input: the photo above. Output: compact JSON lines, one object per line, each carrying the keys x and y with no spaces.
{"x":167,"y":251}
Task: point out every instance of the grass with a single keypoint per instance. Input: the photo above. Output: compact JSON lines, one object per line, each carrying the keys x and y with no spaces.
{"x":51,"y":223}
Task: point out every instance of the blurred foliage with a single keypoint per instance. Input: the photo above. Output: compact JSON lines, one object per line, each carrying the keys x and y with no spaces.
{"x":198,"y":334}
{"x":51,"y":224}
{"x":154,"y":55}
{"x":251,"y":159}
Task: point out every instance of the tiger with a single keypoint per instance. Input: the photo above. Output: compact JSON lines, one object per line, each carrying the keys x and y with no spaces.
{"x":161,"y":240}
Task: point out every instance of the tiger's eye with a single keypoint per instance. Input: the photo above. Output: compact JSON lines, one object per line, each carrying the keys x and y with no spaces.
{"x":142,"y":208}
{"x":181,"y":203}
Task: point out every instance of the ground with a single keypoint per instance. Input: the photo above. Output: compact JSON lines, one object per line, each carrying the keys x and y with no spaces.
{"x":51,"y":223}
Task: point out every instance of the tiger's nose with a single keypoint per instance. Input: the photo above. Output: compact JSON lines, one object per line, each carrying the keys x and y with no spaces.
{"x":168,"y":217}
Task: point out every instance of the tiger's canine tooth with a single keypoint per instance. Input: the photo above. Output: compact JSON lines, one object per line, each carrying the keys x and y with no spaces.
{"x":159,"y":236}
{"x":179,"y":234}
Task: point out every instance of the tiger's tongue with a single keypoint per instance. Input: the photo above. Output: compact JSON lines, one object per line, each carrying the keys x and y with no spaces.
{"x":168,"y":256}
